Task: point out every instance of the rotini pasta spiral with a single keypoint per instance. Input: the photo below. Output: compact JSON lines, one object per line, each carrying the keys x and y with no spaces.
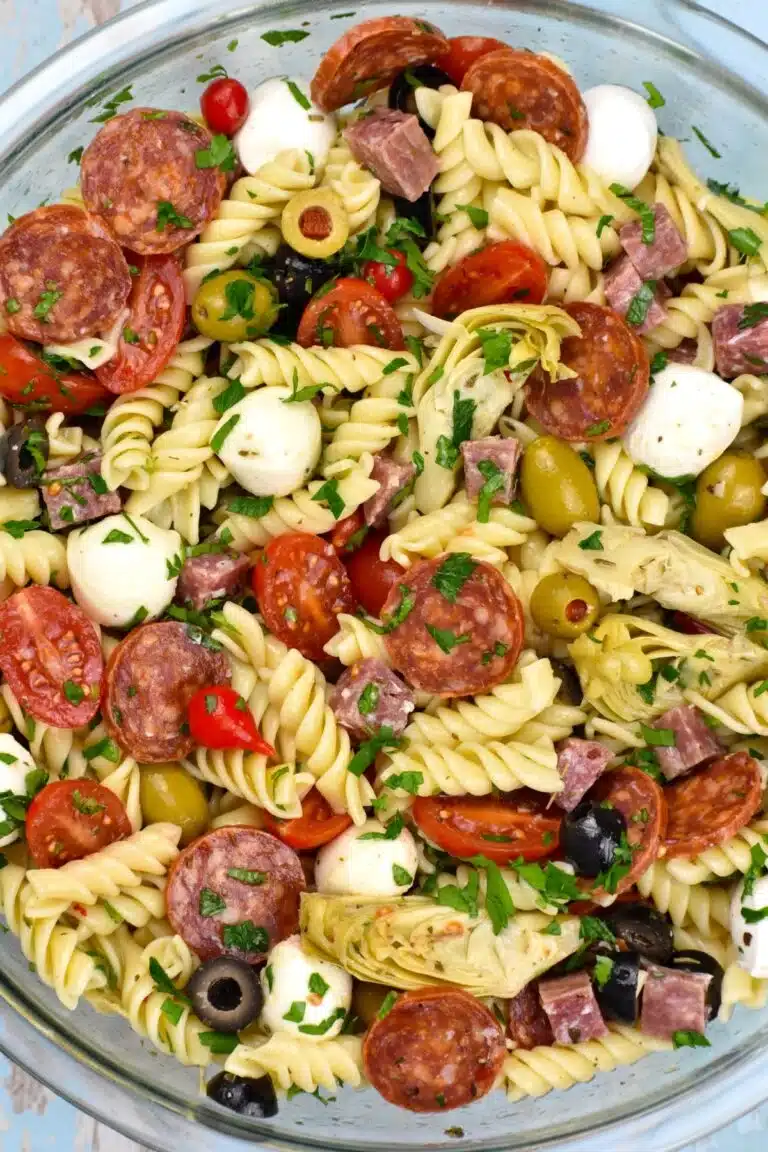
{"x":627,"y":491}
{"x":456,"y":529}
{"x":39,"y":557}
{"x":705,"y":239}
{"x":356,"y":641}
{"x":706,"y":908}
{"x":290,"y":1061}
{"x":357,"y":188}
{"x":559,"y":239}
{"x":343,"y":369}
{"x":64,"y":443}
{"x":135,"y":908}
{"x":49,"y":746}
{"x":724,"y":860}
{"x":372,"y":424}
{"x":476,"y":769}
{"x":142,"y":1004}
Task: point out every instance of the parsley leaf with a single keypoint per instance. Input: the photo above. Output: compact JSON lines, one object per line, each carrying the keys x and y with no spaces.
{"x":452,"y":575}
{"x":381,"y":741}
{"x":220,"y":154}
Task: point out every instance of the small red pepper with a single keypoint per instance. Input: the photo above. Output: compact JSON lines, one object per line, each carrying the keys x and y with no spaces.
{"x":220,"y":718}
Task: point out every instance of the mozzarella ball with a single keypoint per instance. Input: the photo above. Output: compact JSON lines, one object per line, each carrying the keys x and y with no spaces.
{"x":119,"y":569}
{"x":751,"y":940}
{"x":688,"y":418}
{"x":622,"y":134}
{"x":15,"y":763}
{"x":273,"y":448}
{"x":302,"y":993}
{"x":277,"y":121}
{"x":353,"y":865}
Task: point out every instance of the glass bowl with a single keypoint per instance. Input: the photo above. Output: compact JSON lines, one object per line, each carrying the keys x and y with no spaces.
{"x":160,"y":48}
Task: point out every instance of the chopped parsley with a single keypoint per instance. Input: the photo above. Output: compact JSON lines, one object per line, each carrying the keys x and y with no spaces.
{"x":452,"y":575}
{"x":655,"y":98}
{"x":253,"y":506}
{"x":495,"y":481}
{"x":328,"y":493}
{"x":446,"y":639}
{"x":593,"y":542}
{"x":752,"y":315}
{"x":168,"y":216}
{"x":602,"y":970}
{"x":401,"y":876}
{"x":46,"y":301}
{"x":369,"y":699}
{"x":640,"y":304}
{"x":602,"y":223}
{"x":478,"y":217}
{"x":381,"y":741}
{"x":463,"y":414}
{"x":290,"y":36}
{"x":245,"y":937}
{"x":745,"y":240}
{"x":644,"y":211}
{"x":73,"y":692}
{"x":709,"y":147}
{"x":210,"y":902}
{"x":86,"y":805}
{"x":298,"y":95}
{"x":496,"y":346}
{"x":688,"y":1038}
{"x":219,"y":154}
{"x":220,"y":435}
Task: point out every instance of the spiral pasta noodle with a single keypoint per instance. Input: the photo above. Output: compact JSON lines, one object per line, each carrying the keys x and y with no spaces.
{"x":355,"y":641}
{"x":476,"y":769}
{"x":455,"y":529}
{"x":373,"y":422}
{"x":343,"y":369}
{"x":627,"y":491}
{"x":558,"y":238}
{"x":39,"y":557}
{"x":290,"y":1061}
{"x":723,"y":860}
{"x":50,"y":747}
{"x":704,"y":908}
{"x":357,"y":188}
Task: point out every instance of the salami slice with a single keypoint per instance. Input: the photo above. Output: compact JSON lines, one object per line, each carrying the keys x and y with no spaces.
{"x":642,"y":804}
{"x":528,"y":1024}
{"x":611,"y":381}
{"x":255,"y":915}
{"x":370,"y":55}
{"x":437,"y":1049}
{"x":62,"y":276}
{"x":461,"y":626}
{"x":151,"y":677}
{"x":710,"y":807}
{"x":140,"y":174}
{"x":518,"y":89}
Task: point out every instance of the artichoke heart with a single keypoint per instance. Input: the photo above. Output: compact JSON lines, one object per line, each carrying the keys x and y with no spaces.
{"x":412,"y":941}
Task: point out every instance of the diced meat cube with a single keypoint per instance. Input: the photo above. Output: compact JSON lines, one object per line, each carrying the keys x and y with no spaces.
{"x":685,"y":353}
{"x":209,"y":577}
{"x":369,"y":695}
{"x":739,"y":349}
{"x":622,"y":283}
{"x":667,"y":252}
{"x":76,"y":493}
{"x":579,"y":763}
{"x":572,"y":1008}
{"x":528,"y":1024}
{"x":673,"y":1001}
{"x":392,"y":478}
{"x":500,"y":451}
{"x":394,"y":147}
{"x":694,"y":741}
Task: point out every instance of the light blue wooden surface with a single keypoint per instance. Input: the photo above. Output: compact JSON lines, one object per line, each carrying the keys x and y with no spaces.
{"x":31,"y":1118}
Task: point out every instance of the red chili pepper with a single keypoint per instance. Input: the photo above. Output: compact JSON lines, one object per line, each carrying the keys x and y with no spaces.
{"x":220,"y":718}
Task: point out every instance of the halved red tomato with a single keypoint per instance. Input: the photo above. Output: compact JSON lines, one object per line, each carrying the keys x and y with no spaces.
{"x":26,"y":379}
{"x":462,"y":53}
{"x":69,"y":819}
{"x":502,"y":273}
{"x":352,"y":312}
{"x":501,"y":828}
{"x":317,"y":825}
{"x":372,"y":578}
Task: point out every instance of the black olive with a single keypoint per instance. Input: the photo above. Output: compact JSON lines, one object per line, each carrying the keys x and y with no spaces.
{"x":570,"y":691}
{"x":591,"y":834}
{"x":618,"y":995}
{"x":421,"y":210}
{"x":298,"y":277}
{"x":708,"y":966}
{"x":26,"y":453}
{"x":244,"y":1095}
{"x":641,"y":929}
{"x":226,"y":994}
{"x":402,"y":88}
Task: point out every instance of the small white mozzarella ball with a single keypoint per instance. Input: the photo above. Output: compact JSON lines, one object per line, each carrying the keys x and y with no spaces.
{"x":302,"y":992}
{"x":687,"y":420}
{"x":751,"y":940}
{"x":119,"y":569}
{"x":354,"y":865}
{"x":273,"y":448}
{"x":278,"y":121}
{"x":15,"y":763}
{"x":622,"y":134}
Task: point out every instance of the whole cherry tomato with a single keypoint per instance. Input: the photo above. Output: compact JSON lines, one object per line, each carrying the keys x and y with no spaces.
{"x":224,"y":105}
{"x":392,"y":280}
{"x":463,"y":51}
{"x":220,"y":718}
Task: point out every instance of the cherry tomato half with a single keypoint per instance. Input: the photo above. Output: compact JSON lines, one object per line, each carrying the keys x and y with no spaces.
{"x":220,"y":718}
{"x":352,"y":312}
{"x":502,"y":273}
{"x":158,"y":310}
{"x":371,"y":577}
{"x":26,"y":379}
{"x":463,"y":51}
{"x":69,"y":819}
{"x":51,"y":657}
{"x":224,"y":105}
{"x":392,"y":280}
{"x":501,"y":828}
{"x":302,"y":586}
{"x":317,"y":825}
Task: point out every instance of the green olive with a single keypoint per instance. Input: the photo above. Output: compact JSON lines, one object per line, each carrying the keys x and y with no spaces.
{"x":564,"y":605}
{"x":367,"y":999}
{"x":315,"y":223}
{"x":234,"y":306}
{"x":556,"y":486}
{"x":728,"y":493}
{"x":169,"y":793}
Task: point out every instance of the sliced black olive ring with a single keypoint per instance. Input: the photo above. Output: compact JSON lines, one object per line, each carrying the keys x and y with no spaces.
{"x":226,"y":994}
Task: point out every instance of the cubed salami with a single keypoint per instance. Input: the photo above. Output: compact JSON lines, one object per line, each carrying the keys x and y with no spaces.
{"x":694,"y":741}
{"x":685,"y":353}
{"x":622,"y":284}
{"x":528,"y":1025}
{"x":76,"y":493}
{"x":370,"y":695}
{"x":572,"y":1008}
{"x":579,"y":763}
{"x":673,"y":1001}
{"x":211,"y":576}
{"x":393,"y":145}
{"x":503,"y":453}
{"x":392,"y":478}
{"x":739,"y":348}
{"x":667,"y":252}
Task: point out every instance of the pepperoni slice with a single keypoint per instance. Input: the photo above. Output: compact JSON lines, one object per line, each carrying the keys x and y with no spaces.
{"x":370,"y":55}
{"x":462,"y":629}
{"x":528,"y":1024}
{"x":611,"y":381}
{"x":140,"y":175}
{"x":62,"y":276}
{"x":436,"y":1049}
{"x":710,"y":807}
{"x":259,"y":879}
{"x":642,"y":803}
{"x":518,"y":89}
{"x":151,"y":677}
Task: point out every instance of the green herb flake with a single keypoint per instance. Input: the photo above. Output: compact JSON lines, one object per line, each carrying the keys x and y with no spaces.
{"x":709,"y":147}
{"x":277,"y":38}
{"x":687,"y":1038}
{"x":220,"y":435}
{"x":592,"y":543}
{"x":655,"y":98}
{"x":452,"y":575}
{"x":745,"y":240}
{"x":369,"y":699}
{"x":245,"y":937}
{"x":382,"y":741}
{"x":328,"y":493}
